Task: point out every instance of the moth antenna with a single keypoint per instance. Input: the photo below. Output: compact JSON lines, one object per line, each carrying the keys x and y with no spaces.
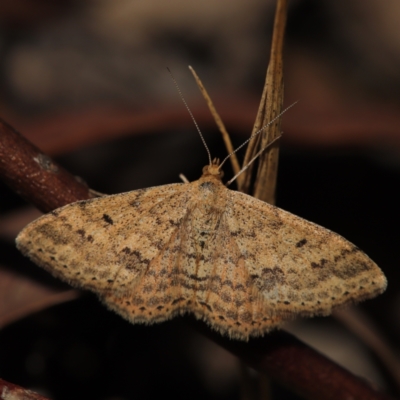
{"x":252,"y":137}
{"x":191,"y":115}
{"x":254,"y":158}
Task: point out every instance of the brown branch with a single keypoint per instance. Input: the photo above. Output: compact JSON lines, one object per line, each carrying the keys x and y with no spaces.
{"x":9,"y":390}
{"x":297,"y":366}
{"x":33,"y":175}
{"x":281,"y":355}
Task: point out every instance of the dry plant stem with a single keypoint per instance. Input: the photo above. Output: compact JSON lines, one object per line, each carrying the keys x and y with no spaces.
{"x":10,"y":391}
{"x":220,"y":124}
{"x":270,"y":107}
{"x":33,"y":175}
{"x":297,"y":366}
{"x":281,"y":355}
{"x":265,"y":182}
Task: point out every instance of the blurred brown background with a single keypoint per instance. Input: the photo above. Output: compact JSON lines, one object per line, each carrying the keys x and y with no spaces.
{"x":86,"y":81}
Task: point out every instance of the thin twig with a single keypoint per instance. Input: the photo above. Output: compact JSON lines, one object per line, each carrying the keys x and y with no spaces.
{"x":34,"y":175}
{"x":220,"y":124}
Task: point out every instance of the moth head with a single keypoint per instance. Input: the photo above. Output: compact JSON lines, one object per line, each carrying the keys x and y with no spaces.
{"x":213,"y":169}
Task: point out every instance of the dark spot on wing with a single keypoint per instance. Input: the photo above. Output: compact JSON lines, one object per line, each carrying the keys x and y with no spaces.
{"x":148,"y":288}
{"x":177,"y":301}
{"x":138,"y":256}
{"x":301,"y":243}
{"x":159,"y":245}
{"x":273,"y":224}
{"x":108,"y":219}
{"x":246,"y":317}
{"x":206,"y":306}
{"x":269,"y":279}
{"x":82,"y":204}
{"x":196,"y":278}
{"x":232,"y":315}
{"x":227,"y":282}
{"x":240,"y":287}
{"x":344,"y":253}
{"x":225,"y":297}
{"x":321,"y":264}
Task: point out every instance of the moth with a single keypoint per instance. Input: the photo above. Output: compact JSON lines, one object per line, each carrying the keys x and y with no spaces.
{"x":238,"y":263}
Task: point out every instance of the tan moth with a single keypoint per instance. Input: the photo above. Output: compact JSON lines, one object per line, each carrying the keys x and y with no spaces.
{"x":238,"y":263}
{"x":241,"y":265}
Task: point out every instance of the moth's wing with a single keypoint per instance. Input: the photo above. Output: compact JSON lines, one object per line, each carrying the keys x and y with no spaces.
{"x":298,"y":267}
{"x":106,"y":244}
{"x":225,"y":297}
{"x":166,"y":288}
